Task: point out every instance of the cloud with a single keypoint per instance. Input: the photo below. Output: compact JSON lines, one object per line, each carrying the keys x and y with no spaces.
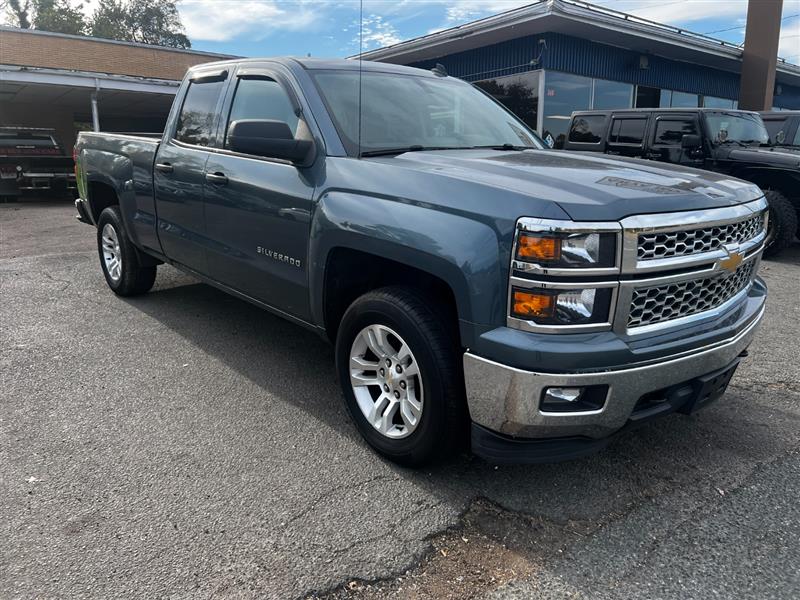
{"x":789,"y":45}
{"x":219,"y":21}
{"x":681,"y":12}
{"x":376,"y":33}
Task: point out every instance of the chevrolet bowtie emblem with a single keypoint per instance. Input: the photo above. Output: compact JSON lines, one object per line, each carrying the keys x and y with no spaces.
{"x":729,"y":264}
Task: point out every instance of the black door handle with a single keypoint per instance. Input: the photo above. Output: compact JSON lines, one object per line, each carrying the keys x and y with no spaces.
{"x":164,"y":167}
{"x":218,"y":178}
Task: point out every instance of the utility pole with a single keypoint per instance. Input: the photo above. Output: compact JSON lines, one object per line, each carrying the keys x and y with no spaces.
{"x":760,"y":54}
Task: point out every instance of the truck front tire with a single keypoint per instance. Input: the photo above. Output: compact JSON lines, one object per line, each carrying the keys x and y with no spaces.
{"x":401,"y":375}
{"x":783,"y":224}
{"x":119,"y":259}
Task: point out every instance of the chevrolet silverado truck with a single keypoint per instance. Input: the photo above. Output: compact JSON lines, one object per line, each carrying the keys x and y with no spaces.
{"x":732,"y":142}
{"x":470,"y":279}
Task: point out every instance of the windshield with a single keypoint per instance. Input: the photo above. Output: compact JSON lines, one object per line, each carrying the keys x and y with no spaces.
{"x":416,"y":113}
{"x":742,"y":128}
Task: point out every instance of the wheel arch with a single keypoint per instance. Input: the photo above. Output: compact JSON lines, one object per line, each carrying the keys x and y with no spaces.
{"x":380,"y":241}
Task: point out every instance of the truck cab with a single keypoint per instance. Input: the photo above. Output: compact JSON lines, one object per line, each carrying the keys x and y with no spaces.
{"x":732,"y":142}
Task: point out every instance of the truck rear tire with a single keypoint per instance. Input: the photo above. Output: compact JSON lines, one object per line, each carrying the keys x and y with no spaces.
{"x":119,"y":259}
{"x":400,"y":371}
{"x":783,"y":225}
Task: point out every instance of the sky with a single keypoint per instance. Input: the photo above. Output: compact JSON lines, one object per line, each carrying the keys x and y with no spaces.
{"x":330,"y":28}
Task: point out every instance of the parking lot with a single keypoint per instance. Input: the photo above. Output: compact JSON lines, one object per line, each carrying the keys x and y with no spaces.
{"x":187,"y":444}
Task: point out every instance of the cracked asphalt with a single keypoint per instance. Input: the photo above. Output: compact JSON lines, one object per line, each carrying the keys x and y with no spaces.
{"x":186,"y":444}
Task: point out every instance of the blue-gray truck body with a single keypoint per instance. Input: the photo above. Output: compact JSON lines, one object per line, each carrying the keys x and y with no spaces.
{"x":274,"y":233}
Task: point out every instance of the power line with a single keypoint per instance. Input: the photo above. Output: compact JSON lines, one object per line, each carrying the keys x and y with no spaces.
{"x":740,"y":26}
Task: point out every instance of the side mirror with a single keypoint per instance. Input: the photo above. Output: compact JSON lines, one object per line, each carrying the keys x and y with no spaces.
{"x":691,"y":141}
{"x":271,"y":139}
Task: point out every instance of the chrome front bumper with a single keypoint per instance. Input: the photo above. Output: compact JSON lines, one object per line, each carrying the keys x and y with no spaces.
{"x":506,"y":400}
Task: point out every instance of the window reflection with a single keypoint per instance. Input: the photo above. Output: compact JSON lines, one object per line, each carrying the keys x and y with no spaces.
{"x":612,"y":94}
{"x":564,"y":93}
{"x":518,"y":93}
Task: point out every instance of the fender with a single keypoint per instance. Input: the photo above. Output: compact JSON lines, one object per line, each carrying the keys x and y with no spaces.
{"x":466,"y":254}
{"x":115,"y":171}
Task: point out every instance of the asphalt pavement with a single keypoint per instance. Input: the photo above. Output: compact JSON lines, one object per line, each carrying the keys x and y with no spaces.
{"x":187,"y":444}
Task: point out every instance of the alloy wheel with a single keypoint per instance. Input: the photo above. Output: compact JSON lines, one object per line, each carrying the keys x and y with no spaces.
{"x":386,"y":381}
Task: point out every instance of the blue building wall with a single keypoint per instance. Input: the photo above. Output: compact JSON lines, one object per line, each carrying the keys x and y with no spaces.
{"x":583,"y":57}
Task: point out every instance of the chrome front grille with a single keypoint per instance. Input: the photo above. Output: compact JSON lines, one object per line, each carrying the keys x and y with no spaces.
{"x":655,"y":245}
{"x":651,"y":305}
{"x":671,"y":268}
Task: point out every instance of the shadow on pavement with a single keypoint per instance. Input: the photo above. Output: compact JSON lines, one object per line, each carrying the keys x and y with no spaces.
{"x":298,"y":366}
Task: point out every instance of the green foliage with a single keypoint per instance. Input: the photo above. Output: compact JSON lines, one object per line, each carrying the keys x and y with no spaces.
{"x":144,"y":21}
{"x":59,"y":16}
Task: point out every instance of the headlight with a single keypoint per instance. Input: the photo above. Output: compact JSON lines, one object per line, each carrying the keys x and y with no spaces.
{"x":562,"y":306}
{"x":567,"y":250}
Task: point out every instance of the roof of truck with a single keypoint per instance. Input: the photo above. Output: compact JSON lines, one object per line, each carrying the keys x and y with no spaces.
{"x":659,"y":110}
{"x":311,"y":64}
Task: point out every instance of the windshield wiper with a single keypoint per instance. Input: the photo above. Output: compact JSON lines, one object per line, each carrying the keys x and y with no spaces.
{"x":503,"y":147}
{"x":739,"y":142}
{"x":414,"y":148}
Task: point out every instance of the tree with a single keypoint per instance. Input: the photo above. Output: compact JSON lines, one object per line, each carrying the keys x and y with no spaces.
{"x":144,"y":21}
{"x":19,"y":12}
{"x":59,"y":16}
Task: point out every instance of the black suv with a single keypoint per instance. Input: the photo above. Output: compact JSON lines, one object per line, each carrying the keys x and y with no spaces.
{"x":783,"y":128}
{"x":732,"y":142}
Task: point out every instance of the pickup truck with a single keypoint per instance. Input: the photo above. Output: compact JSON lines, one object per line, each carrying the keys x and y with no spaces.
{"x":33,"y":162}
{"x":731,"y":142}
{"x":478,"y":288}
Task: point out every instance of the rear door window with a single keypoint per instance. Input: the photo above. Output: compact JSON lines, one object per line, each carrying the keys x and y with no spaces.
{"x":587,"y":129}
{"x":628,"y":130}
{"x":670,"y":132}
{"x":198,"y":113}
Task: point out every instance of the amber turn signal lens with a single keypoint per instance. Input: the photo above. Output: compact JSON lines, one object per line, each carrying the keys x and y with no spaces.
{"x":532,"y":247}
{"x":527,"y":305}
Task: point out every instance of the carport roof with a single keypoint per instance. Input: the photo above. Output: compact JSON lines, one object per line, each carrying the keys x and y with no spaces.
{"x":582,"y":20}
{"x":118,"y":94}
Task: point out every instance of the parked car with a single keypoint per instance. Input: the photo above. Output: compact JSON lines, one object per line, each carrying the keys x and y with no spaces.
{"x":33,"y":162}
{"x":731,"y":142}
{"x":783,"y":128}
{"x":470,"y":279}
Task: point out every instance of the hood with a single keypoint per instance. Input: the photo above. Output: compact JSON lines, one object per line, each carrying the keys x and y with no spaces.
{"x":776,"y":156}
{"x":587,"y":186}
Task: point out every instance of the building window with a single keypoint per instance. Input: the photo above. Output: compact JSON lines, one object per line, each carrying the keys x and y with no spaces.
{"x":712,"y":102}
{"x":518,"y":93}
{"x":648,"y":97}
{"x":564,"y":93}
{"x":684,"y":100}
{"x":612,"y":94}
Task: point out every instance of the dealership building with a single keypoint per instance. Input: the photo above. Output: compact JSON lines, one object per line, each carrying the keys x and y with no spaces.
{"x":550,"y":58}
{"x":72,"y":83}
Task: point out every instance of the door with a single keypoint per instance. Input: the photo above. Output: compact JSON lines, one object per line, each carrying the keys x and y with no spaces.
{"x":665,"y":140}
{"x":179,"y":172}
{"x":258,"y":210}
{"x":626,"y":135}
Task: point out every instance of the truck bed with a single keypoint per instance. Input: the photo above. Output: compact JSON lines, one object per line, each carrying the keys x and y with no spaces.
{"x":124,"y":164}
